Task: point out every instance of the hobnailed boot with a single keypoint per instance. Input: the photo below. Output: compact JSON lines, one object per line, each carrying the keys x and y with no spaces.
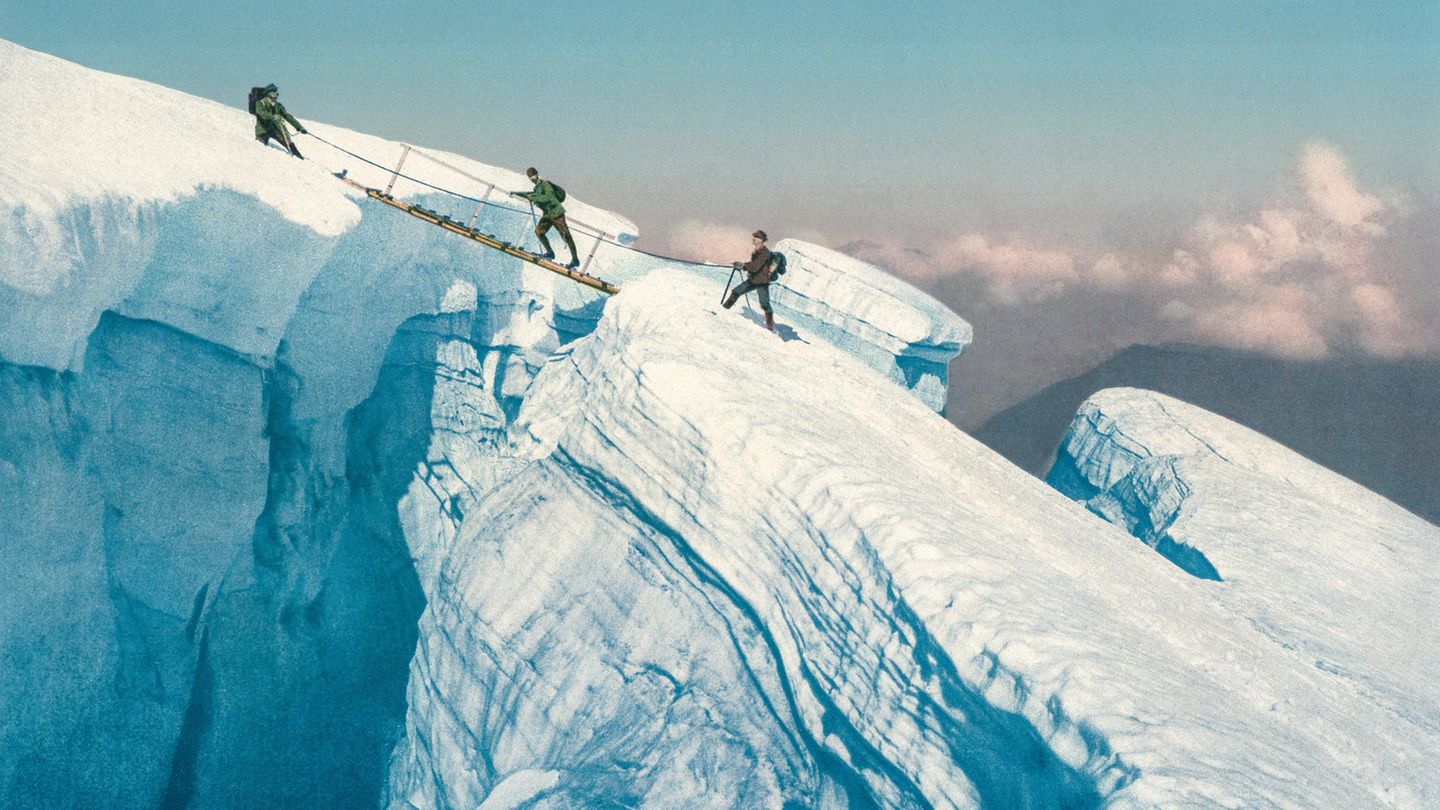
{"x":770,"y":321}
{"x":730,"y":300}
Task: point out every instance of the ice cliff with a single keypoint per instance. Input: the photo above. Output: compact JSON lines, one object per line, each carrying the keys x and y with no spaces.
{"x":217,"y":366}
{"x":1326,"y":570}
{"x":715,"y":582}
{"x":305,"y":503}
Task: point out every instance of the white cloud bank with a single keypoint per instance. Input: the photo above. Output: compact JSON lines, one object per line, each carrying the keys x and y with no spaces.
{"x":1319,"y":270}
{"x":710,"y":242}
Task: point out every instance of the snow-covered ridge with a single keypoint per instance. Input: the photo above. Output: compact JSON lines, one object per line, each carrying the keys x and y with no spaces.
{"x":274,"y":494}
{"x":1139,"y":424}
{"x":237,"y":402}
{"x":1332,"y":573}
{"x":108,"y":204}
{"x":113,"y":137}
{"x":874,"y":299}
{"x":733,"y":572}
{"x":875,"y":316}
{"x":102,"y":208}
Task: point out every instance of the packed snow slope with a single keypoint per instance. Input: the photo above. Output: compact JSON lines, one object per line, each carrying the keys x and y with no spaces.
{"x":218,"y":373}
{"x":734,"y":571}
{"x":107,"y":194}
{"x":305,"y":503}
{"x":1331,"y":573}
{"x":1373,"y":421}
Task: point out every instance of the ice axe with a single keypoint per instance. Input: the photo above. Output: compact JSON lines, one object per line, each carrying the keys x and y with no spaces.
{"x":734,"y":268}
{"x":534,"y":220}
{"x":288,"y":140}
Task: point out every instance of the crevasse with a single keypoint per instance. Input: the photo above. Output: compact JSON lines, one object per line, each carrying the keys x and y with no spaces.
{"x":307,"y":503}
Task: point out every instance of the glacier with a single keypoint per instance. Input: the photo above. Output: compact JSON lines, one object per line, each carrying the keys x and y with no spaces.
{"x":893,"y":636}
{"x":306,"y":503}
{"x":1311,"y":559}
{"x":216,"y":366}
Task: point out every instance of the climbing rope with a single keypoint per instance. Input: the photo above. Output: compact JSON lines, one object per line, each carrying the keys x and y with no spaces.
{"x":583,"y":229}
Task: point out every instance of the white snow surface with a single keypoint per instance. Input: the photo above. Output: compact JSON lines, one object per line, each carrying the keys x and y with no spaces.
{"x":841,"y":289}
{"x":111,"y":185}
{"x":243,"y":412}
{"x":110,"y":136}
{"x":736,"y":572}
{"x":896,"y":329}
{"x":1327,"y":571}
{"x":113,"y":137}
{"x":113,"y":188}
{"x":254,"y":422}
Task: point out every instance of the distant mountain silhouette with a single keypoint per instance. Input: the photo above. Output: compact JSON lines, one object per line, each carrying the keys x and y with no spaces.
{"x":1374,"y":422}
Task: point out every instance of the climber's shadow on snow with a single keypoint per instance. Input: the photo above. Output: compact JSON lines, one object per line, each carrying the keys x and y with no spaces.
{"x":782,"y":331}
{"x":788,"y":333}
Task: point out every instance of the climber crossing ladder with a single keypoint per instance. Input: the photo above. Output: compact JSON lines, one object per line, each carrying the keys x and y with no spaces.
{"x":459,"y":228}
{"x":462,"y":229}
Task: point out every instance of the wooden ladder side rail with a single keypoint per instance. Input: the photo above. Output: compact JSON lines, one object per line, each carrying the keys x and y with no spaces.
{"x":425,"y":214}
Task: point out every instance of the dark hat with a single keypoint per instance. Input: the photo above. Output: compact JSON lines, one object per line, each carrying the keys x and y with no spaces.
{"x":270,"y":88}
{"x":760,"y":235}
{"x":531,"y":172}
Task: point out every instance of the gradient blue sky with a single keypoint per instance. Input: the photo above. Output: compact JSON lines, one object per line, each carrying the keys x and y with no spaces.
{"x":1088,"y":121}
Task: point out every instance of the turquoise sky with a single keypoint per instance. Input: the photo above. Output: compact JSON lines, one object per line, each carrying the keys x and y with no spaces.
{"x":1111,"y":121}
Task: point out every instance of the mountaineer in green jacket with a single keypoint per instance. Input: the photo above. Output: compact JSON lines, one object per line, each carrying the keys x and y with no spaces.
{"x":270,"y":118}
{"x":547,"y":197}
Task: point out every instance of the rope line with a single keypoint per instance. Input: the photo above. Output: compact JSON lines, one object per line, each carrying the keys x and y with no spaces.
{"x":416,"y":180}
{"x":586,"y":230}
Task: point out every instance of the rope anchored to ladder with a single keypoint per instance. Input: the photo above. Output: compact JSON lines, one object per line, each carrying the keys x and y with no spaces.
{"x":586,"y":230}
